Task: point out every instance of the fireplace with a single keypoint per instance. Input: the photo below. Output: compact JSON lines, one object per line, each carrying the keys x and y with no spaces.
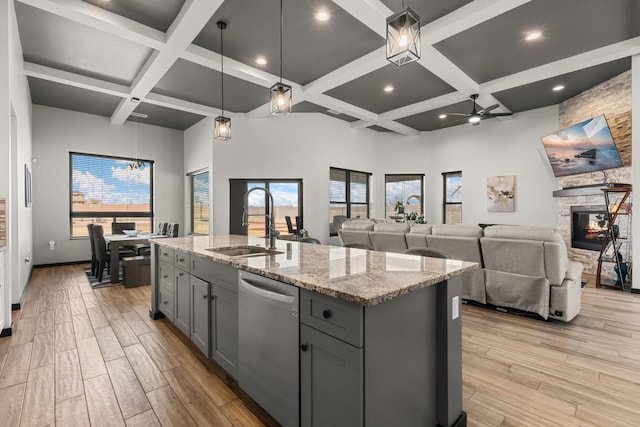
{"x":588,"y":227}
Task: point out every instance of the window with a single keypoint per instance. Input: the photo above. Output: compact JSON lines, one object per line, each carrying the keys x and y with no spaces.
{"x":287,"y":200}
{"x":406,"y":189}
{"x":452,"y":200}
{"x":348,"y":197}
{"x":199,"y":186}
{"x":104,"y":191}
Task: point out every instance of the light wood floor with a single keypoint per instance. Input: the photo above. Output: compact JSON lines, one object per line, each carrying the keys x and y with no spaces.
{"x":94,"y":357}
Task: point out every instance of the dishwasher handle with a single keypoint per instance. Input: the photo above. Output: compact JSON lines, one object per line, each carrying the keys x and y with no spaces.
{"x":255,"y":288}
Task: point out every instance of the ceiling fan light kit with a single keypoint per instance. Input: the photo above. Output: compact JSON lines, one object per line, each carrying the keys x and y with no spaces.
{"x":403,"y":37}
{"x":280,"y":93}
{"x":222,"y":124}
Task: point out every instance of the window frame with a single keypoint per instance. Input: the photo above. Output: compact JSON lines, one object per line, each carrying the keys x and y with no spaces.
{"x":415,"y":175}
{"x":445,"y":203}
{"x":348,"y":203}
{"x":191,"y":176}
{"x":109,"y":214}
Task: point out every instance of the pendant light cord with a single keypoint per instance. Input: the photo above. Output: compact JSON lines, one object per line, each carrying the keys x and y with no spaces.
{"x":281,"y":30}
{"x":222,"y":68}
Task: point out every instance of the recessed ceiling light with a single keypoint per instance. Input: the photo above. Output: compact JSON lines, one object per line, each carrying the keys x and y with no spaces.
{"x":388,"y":88}
{"x":534,"y":35}
{"x":323,"y":15}
{"x":261,"y":60}
{"x":442,"y":116}
{"x":558,"y":88}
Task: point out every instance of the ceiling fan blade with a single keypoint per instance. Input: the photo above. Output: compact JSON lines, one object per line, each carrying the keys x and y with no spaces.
{"x":486,"y":110}
{"x":497,"y":114}
{"x":464,"y":119}
{"x":457,"y":114}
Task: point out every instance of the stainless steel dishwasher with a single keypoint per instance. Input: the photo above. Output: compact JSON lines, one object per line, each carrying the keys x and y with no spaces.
{"x":268,"y":367}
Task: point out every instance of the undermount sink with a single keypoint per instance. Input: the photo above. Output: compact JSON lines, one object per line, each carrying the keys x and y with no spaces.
{"x":244,"y":251}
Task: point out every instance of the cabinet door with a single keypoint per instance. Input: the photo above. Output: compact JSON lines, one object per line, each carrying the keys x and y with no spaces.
{"x":224,"y":328}
{"x":331,"y":384}
{"x":200,"y":314}
{"x":183,"y":311}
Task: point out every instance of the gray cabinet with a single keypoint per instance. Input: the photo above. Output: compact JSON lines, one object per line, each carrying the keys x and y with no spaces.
{"x":224,"y":328}
{"x":183,"y":302}
{"x":331,"y":380}
{"x":200,"y":314}
{"x":166,"y":302}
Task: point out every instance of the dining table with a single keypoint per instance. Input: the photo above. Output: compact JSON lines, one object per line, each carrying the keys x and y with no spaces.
{"x":118,"y":240}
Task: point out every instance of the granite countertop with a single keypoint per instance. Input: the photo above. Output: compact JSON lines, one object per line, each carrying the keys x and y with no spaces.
{"x":356,"y":275}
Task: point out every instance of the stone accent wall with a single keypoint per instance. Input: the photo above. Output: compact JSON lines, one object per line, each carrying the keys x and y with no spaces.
{"x":613,"y":99}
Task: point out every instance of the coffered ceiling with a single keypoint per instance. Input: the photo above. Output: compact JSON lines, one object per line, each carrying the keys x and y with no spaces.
{"x":94,"y":56}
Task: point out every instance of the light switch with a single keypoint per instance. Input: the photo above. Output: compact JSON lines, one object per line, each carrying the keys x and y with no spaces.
{"x":455,"y":308}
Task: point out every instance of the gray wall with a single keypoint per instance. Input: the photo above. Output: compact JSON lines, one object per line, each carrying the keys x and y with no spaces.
{"x":56,"y":132}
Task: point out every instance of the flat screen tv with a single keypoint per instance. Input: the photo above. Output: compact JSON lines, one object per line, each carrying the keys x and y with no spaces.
{"x":584,"y":147}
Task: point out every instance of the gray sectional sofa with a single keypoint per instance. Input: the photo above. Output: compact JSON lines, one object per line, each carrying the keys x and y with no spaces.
{"x":523,"y":268}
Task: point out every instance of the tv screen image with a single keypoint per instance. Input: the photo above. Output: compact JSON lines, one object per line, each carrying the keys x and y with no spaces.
{"x":585,"y":147}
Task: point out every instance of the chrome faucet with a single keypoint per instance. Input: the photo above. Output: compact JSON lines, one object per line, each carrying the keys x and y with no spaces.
{"x":272,"y":232}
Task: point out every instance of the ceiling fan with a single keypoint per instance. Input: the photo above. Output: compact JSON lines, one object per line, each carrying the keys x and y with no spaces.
{"x":476,"y":115}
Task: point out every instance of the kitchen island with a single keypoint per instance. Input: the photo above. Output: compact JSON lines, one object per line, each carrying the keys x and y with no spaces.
{"x":377,"y":335}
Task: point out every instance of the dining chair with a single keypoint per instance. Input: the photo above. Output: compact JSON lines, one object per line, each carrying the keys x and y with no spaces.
{"x":103,"y":255}
{"x":94,"y":261}
{"x":117,"y":227}
{"x":429,"y":252}
{"x":172,"y":230}
{"x":290,"y":228}
{"x":299,"y":225}
{"x":162,"y":228}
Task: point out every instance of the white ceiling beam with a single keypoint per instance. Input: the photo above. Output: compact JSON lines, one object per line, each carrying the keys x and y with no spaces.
{"x":422,"y":106}
{"x":192,"y":18}
{"x":93,"y":16}
{"x":187,"y":106}
{"x":581,"y":61}
{"x":75,"y":80}
{"x":369,"y":13}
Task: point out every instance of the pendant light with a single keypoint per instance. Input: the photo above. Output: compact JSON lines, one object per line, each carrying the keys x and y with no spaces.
{"x":222,"y":127}
{"x":137,"y":163}
{"x":403,"y":36}
{"x":280,"y":92}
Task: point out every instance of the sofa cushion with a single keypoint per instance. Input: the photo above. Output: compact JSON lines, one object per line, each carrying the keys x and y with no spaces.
{"x":354,"y":237}
{"x":526,"y":293}
{"x":524,"y":257}
{"x":421,"y":228}
{"x":416,"y":240}
{"x":388,"y":242}
{"x":358,"y":224}
{"x":546,"y":234}
{"x":391,"y":227}
{"x":457,"y":230}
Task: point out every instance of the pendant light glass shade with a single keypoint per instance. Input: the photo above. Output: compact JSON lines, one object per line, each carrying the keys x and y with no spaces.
{"x":222,"y":124}
{"x":222,"y":128}
{"x":280,"y":93}
{"x":403,"y":37}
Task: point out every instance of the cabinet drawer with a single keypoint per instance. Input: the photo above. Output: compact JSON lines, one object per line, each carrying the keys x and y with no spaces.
{"x":332,"y":316}
{"x":165,"y":275}
{"x":165,"y":254}
{"x":182,"y":261}
{"x":166,"y":303}
{"x":214,"y":272}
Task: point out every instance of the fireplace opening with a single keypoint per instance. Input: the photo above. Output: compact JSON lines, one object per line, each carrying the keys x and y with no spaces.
{"x":588,"y":227}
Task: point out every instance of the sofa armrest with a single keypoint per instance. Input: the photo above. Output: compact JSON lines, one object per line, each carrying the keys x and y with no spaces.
{"x":574,"y":271}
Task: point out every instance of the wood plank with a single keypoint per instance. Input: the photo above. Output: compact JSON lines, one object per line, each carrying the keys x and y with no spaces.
{"x":62,"y":313}
{"x":109,"y":344}
{"x":64,"y":337}
{"x":212,"y":385}
{"x":137,"y":324}
{"x":101,"y":402}
{"x":239,"y":415}
{"x":11,"y":400}
{"x":42,"y":353}
{"x":82,"y":327}
{"x":72,"y":412}
{"x":68,"y":379}
{"x":77,"y":306}
{"x":124,"y":332}
{"x":168,"y":408}
{"x":157,"y":351}
{"x":39,"y":398}
{"x":90,"y":300}
{"x":148,"y":373}
{"x":127,"y":388}
{"x":91,"y":362}
{"x":97,"y":317}
{"x":16,"y":367}
{"x":45,"y":322}
{"x":24,"y":331}
{"x":145,"y":419}
{"x":195,"y":400}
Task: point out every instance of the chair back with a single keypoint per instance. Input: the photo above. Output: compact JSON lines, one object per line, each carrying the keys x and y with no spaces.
{"x":172,"y":230}
{"x":99,"y":243}
{"x":117,"y":227}
{"x":162,"y":228}
{"x":93,"y":246}
{"x":290,"y":228}
{"x":299,"y":225}
{"x":430,"y":252}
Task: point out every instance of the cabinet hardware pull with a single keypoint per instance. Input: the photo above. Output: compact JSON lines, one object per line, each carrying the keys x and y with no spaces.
{"x":180,"y":274}
{"x":204,"y":297}
{"x":213,"y":297}
{"x":164,"y":302}
{"x":304,"y":347}
{"x":165,"y":276}
{"x":326,"y":314}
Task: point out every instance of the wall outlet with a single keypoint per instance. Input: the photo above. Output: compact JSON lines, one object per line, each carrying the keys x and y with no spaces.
{"x":455,"y":308}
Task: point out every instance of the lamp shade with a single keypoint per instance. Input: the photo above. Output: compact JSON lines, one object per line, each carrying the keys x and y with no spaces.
{"x":403,"y":37}
{"x":280,"y":99}
{"x":222,"y":128}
